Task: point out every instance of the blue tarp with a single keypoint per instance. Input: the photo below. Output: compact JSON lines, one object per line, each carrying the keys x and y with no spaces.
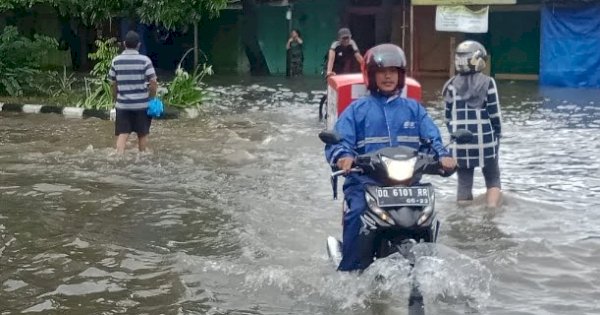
{"x":570,"y":53}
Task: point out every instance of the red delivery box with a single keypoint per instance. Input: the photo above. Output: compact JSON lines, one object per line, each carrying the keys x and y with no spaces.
{"x":344,"y":88}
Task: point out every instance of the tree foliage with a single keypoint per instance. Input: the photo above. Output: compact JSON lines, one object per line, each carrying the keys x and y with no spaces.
{"x":173,"y":13}
{"x":6,"y":5}
{"x":20,"y":59}
{"x":169,"y":13}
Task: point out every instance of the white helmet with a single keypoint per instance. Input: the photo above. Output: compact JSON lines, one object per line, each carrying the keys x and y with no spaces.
{"x":470,"y":57}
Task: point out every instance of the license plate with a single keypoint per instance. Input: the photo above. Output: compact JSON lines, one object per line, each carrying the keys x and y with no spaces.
{"x":403,"y":196}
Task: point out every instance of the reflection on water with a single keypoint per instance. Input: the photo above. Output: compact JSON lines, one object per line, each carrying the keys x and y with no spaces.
{"x":229,"y":213}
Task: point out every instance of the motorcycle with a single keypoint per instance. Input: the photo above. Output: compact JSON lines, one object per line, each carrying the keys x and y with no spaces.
{"x":400,"y":209}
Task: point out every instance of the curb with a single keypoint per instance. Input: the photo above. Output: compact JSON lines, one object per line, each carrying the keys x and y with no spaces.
{"x":75,"y":112}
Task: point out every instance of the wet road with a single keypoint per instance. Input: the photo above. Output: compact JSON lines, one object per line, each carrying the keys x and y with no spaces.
{"x":229,"y":213}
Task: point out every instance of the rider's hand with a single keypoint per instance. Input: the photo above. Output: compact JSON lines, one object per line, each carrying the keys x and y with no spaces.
{"x":448,"y":163}
{"x":330,"y":73}
{"x":345,"y":163}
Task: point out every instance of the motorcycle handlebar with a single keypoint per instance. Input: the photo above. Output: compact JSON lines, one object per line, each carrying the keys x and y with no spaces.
{"x":430,"y":165}
{"x":342,"y":172}
{"x":433,"y":167}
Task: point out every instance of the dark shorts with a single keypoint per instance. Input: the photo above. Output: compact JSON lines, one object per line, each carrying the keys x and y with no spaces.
{"x":132,"y":120}
{"x":491,"y":174}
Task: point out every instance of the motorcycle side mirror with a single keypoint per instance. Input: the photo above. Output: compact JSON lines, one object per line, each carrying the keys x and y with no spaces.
{"x":462,"y":136}
{"x":330,"y":137}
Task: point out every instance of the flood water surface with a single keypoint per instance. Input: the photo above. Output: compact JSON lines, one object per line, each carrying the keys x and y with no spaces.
{"x":229,"y":212}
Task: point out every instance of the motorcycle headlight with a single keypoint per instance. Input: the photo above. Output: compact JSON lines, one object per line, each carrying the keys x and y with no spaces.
{"x":400,"y":170}
{"x":427,"y":212}
{"x":382,"y":214}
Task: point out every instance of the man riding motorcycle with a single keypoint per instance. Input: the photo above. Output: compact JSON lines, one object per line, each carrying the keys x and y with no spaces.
{"x":381,"y":119}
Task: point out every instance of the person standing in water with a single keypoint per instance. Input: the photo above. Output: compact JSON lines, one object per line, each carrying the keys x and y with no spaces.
{"x":295,"y":54}
{"x":472,"y":103}
{"x":133,"y":83}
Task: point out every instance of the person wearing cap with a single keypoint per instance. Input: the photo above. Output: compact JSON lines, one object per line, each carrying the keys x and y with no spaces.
{"x":133,"y":82}
{"x":340,"y":60}
{"x":341,"y":54}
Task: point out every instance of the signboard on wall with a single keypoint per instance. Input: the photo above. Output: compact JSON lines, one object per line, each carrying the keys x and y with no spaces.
{"x":461,"y":19}
{"x":462,"y":2}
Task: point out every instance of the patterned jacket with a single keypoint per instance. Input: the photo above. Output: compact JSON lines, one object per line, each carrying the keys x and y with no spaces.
{"x":484,"y":122}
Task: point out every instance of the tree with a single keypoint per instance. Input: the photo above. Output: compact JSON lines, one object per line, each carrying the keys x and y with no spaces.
{"x":169,"y":13}
{"x":258,"y":63}
{"x":174,"y":13}
{"x":88,"y":13}
{"x":6,"y":5}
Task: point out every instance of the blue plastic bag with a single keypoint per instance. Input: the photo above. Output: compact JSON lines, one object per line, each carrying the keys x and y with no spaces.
{"x":155,"y":108}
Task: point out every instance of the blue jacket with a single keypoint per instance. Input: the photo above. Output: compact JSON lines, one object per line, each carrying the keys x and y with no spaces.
{"x":375,"y":121}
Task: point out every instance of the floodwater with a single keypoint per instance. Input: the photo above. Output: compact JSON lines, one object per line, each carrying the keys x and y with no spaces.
{"x":229,"y":213}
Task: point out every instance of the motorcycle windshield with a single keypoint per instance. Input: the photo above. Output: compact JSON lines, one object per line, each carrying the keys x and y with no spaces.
{"x":400,"y":170}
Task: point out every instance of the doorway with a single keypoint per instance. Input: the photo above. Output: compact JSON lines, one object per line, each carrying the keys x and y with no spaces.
{"x":363,"y":30}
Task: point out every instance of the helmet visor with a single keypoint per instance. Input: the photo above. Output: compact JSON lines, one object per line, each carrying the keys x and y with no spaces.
{"x":387,"y":56}
{"x":387,"y":59}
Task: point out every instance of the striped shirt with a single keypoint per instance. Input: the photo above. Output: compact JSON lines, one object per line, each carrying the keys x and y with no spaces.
{"x":132,"y":72}
{"x":484,"y":122}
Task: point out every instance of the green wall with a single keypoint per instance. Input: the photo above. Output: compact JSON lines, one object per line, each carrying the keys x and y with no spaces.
{"x":272,"y":36}
{"x":514,"y":41}
{"x":317,"y":21}
{"x":220,"y":40}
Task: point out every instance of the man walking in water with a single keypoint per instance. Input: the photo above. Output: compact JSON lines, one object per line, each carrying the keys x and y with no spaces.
{"x":133,"y":82}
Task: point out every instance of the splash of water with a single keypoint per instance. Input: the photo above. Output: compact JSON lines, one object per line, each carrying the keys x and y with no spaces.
{"x":450,"y":276}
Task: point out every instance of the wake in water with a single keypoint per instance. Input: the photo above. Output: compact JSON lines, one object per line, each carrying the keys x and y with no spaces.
{"x":448,"y":280}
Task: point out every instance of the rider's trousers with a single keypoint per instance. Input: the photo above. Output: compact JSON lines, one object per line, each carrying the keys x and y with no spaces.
{"x":358,"y":243}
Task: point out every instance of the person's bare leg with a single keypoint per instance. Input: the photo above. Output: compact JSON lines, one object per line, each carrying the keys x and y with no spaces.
{"x":493,"y":197}
{"x":142,"y":143}
{"x":122,"y":142}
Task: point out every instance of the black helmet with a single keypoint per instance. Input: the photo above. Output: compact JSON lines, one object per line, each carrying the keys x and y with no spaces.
{"x":470,"y":57}
{"x":383,"y":56}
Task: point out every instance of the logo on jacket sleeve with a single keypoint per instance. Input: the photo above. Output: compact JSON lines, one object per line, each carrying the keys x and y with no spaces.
{"x":409,"y":124}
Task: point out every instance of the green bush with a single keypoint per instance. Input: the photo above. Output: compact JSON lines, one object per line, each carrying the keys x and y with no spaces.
{"x":55,"y":84}
{"x":186,"y":89}
{"x":20,"y":59}
{"x":106,"y":51}
{"x":98,"y":95}
{"x":97,"y":89}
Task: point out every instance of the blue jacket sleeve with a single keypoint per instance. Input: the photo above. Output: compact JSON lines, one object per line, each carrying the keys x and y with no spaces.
{"x":428,"y":130}
{"x":346,"y":128}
